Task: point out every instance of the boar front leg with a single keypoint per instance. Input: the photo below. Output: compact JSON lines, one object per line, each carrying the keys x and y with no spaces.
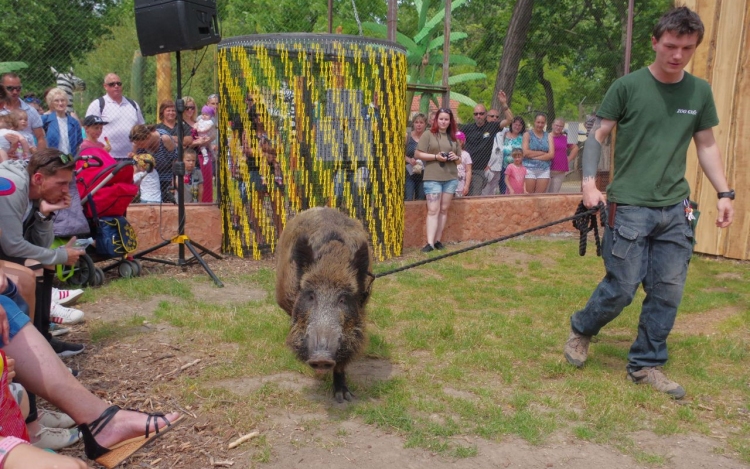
{"x":340,"y":391}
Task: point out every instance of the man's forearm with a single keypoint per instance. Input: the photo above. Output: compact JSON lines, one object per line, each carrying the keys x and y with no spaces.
{"x":592,"y":152}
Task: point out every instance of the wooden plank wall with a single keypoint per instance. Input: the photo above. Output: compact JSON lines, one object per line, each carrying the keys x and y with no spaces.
{"x":723,"y":59}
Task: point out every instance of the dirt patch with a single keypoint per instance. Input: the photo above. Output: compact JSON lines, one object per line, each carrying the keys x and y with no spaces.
{"x":704,"y":323}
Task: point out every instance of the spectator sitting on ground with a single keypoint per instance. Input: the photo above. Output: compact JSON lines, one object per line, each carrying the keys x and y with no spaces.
{"x":120,"y":112}
{"x":480,"y":135}
{"x":41,"y":373}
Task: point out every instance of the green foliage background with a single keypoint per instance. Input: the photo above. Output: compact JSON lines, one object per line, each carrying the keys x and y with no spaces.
{"x":577,"y":46}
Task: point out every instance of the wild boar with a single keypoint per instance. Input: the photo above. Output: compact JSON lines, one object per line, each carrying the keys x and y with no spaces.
{"x":323,"y":281}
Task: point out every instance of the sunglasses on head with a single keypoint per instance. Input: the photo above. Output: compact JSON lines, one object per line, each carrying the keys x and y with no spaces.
{"x":62,"y":157}
{"x":114,"y":83}
{"x":442,"y":109}
{"x":13,"y":88}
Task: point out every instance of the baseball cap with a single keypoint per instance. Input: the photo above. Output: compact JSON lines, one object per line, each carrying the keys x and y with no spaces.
{"x":7,"y":187}
{"x":93,"y":120}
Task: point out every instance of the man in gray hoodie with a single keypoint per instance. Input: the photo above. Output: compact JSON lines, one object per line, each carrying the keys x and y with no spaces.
{"x":26,"y":217}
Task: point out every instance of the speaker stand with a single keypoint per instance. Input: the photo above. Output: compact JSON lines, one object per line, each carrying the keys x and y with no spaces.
{"x":182,"y":240}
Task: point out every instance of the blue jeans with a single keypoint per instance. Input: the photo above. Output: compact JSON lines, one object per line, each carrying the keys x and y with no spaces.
{"x":649,"y":246}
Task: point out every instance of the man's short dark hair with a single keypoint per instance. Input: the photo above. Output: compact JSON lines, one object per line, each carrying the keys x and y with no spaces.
{"x":680,"y":21}
{"x":49,"y":161}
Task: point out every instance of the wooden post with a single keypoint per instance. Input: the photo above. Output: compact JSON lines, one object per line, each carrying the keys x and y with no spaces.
{"x":163,"y":78}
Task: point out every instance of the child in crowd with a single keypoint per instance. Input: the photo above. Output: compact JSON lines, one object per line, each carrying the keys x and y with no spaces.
{"x":23,"y":120}
{"x":206,"y":130}
{"x":464,"y":167}
{"x":12,"y":142}
{"x":93,"y":125}
{"x":515,"y":174}
{"x":193,"y":178}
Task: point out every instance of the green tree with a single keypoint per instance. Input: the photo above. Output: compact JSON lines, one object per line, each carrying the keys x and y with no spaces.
{"x":424,"y":53}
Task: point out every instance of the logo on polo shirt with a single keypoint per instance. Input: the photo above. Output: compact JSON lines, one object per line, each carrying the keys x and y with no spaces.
{"x":692,"y":112}
{"x":7,"y":187}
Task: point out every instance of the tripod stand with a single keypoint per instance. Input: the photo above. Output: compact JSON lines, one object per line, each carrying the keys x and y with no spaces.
{"x":182,"y":240}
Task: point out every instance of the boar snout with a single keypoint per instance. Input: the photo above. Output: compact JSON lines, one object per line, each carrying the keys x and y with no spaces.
{"x":322,"y":348}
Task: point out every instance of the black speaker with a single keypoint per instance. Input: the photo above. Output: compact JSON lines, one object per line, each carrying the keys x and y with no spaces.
{"x":175,"y":25}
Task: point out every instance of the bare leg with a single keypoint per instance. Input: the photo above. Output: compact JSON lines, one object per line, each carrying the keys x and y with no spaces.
{"x":541,"y":185}
{"x":445,"y":203}
{"x":40,"y":371}
{"x":530,"y":185}
{"x":433,"y":212}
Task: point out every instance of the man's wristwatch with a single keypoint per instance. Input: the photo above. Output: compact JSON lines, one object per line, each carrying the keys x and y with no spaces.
{"x":729,"y":195}
{"x":41,"y":217}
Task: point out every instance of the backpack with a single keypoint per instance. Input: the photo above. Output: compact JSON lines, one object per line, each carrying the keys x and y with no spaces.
{"x":101,"y":104}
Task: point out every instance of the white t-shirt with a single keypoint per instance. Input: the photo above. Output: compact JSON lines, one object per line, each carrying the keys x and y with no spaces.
{"x":150,"y":188}
{"x":64,"y":145}
{"x":121,"y":118}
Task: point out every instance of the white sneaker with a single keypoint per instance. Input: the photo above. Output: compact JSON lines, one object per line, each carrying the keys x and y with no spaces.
{"x":59,"y":314}
{"x":65,"y":297}
{"x":51,"y":419}
{"x":56,"y":438}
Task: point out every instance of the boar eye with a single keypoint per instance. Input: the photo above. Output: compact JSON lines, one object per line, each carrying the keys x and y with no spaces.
{"x":310,"y":295}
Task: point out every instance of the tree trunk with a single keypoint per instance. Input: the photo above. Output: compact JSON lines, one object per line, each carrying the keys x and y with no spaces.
{"x":548,"y":92}
{"x":513,"y":46}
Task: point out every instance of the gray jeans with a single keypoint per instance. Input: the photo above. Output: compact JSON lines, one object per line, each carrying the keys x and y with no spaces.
{"x":648,"y":246}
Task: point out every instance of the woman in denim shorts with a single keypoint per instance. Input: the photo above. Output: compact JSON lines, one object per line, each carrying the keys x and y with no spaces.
{"x":538,"y":151}
{"x":439,"y":150}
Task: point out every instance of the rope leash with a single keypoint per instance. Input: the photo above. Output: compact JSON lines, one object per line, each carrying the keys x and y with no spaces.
{"x":584,"y":220}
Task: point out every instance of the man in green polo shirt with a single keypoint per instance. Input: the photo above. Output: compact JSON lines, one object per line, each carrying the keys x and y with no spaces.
{"x":649,"y":239}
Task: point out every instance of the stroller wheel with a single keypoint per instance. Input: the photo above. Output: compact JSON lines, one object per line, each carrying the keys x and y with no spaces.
{"x":126,"y":269}
{"x":138,"y":267}
{"x":82,"y":271}
{"x":98,"y":277}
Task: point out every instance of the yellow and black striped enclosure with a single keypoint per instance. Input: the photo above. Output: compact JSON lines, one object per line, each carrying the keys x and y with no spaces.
{"x":310,"y":120}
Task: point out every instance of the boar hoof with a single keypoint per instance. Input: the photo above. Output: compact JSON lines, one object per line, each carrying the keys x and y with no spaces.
{"x":340,"y":391}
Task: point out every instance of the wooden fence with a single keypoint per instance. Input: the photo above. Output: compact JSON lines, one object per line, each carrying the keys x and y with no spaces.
{"x":723,"y":59}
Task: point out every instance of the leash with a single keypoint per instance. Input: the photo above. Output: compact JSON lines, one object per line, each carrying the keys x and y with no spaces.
{"x":584,"y":221}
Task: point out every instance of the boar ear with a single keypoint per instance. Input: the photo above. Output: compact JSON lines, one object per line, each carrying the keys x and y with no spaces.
{"x":361,"y":265}
{"x":302,"y":255}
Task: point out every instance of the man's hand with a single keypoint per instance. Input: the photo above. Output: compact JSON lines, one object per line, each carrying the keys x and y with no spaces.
{"x":74,"y":252}
{"x":591,"y":195}
{"x":726,"y":212}
{"x":503,"y":98}
{"x":47,"y":207}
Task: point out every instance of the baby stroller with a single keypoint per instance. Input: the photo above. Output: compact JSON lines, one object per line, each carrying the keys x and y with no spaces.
{"x":104,"y":190}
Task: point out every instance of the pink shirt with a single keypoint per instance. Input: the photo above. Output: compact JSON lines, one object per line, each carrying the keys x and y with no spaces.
{"x":516,"y":176}
{"x":560,"y":161}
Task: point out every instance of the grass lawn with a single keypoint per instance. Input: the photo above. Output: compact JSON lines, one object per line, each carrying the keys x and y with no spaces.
{"x":475,"y":343}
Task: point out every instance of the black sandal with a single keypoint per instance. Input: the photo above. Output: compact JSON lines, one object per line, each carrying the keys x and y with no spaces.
{"x":111,"y":457}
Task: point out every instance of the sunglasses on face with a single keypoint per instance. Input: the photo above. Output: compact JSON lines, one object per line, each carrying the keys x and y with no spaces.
{"x":493,"y":116}
{"x":190,"y":108}
{"x":13,"y":88}
{"x":112,"y":84}
{"x":479,"y":113}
